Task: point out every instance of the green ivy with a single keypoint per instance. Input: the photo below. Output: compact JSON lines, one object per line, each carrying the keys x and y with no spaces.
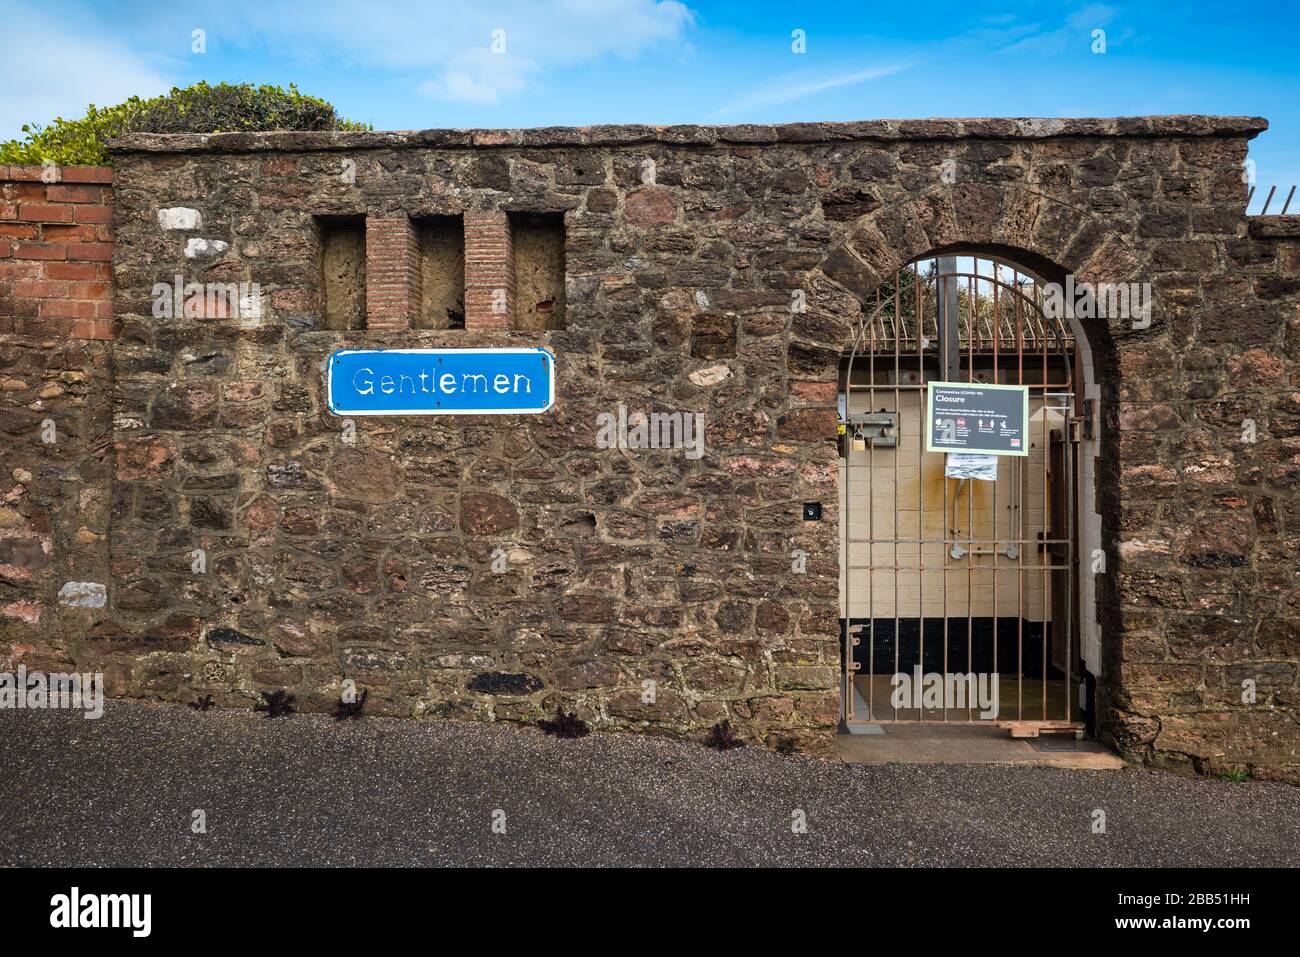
{"x":224,"y":108}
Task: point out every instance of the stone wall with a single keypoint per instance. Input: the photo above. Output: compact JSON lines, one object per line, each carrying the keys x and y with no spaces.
{"x":55,"y":427}
{"x":329,"y":553}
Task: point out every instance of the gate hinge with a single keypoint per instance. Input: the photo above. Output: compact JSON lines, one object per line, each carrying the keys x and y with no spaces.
{"x":1086,"y":419}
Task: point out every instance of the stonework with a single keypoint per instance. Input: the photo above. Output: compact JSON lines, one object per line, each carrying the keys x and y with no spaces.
{"x":331,"y":550}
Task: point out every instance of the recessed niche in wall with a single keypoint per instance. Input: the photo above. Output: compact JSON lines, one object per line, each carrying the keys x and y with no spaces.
{"x":538,"y":240}
{"x":343,"y":271}
{"x":442,"y":272}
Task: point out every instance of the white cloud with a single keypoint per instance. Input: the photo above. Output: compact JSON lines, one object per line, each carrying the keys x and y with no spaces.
{"x":452,"y":42}
{"x":55,"y":65}
{"x":1075,"y":32}
{"x":444,"y":47}
{"x":481,"y":77}
{"x":796,"y":86}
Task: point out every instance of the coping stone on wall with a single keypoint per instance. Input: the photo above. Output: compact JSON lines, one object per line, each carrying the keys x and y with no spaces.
{"x":1030,"y":128}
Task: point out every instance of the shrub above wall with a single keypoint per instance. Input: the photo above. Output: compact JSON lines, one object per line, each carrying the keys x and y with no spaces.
{"x":224,"y":108}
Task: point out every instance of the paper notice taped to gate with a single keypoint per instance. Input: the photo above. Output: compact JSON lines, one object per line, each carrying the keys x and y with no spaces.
{"x":969,"y":465}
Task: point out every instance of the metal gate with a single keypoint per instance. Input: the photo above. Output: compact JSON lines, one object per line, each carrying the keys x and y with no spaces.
{"x":965,"y":583}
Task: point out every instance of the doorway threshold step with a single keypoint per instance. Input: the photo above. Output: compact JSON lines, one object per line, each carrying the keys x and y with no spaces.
{"x":866,"y":729}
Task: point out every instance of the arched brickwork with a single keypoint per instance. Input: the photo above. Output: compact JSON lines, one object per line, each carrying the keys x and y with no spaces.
{"x":1039,"y":230}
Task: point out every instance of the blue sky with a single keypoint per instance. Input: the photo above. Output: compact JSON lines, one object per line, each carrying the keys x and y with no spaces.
{"x":431,"y":63}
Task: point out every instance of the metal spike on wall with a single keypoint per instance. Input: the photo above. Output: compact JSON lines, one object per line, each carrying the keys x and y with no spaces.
{"x":1268,"y":200}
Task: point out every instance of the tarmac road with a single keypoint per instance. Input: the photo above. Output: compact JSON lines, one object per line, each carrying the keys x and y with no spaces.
{"x":304,"y":790}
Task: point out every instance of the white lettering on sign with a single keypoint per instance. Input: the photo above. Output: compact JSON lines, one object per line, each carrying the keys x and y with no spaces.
{"x":364,"y":382}
{"x":440,"y":381}
{"x":975,"y":417}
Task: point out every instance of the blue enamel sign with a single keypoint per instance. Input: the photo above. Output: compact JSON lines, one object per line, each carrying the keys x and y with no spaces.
{"x":440,"y":381}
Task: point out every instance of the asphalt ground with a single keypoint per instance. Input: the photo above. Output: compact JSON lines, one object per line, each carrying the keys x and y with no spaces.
{"x":309,"y":790}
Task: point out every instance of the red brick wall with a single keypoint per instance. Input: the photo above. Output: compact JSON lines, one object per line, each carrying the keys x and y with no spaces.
{"x":489,"y":272}
{"x":392,"y":273}
{"x":393,"y":279}
{"x":56,"y":250}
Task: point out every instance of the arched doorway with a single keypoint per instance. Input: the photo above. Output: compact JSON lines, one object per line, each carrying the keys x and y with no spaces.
{"x":960,"y":587}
